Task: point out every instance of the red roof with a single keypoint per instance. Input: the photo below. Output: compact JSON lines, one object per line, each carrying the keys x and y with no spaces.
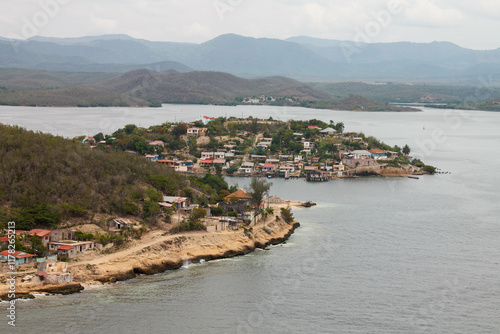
{"x":268,"y":165}
{"x":65,"y":247}
{"x":378,"y":151}
{"x":3,"y":239}
{"x":17,"y":254}
{"x":313,"y":127}
{"x":206,"y":161}
{"x":40,"y":233}
{"x":210,"y":118}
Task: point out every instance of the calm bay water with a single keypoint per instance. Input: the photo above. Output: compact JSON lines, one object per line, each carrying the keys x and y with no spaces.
{"x":375,"y":256}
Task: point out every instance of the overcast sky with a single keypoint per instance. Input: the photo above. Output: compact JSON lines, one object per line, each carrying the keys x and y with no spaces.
{"x":472,"y":24}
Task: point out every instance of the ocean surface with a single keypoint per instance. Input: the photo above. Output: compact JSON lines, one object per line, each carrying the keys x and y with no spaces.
{"x":376,"y":255}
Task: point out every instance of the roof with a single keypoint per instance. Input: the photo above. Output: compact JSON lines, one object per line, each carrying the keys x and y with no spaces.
{"x":3,"y":239}
{"x":328,"y":130}
{"x":65,"y":247}
{"x":40,"y":233}
{"x":269,"y":165}
{"x":206,"y":161}
{"x":174,"y":199}
{"x":361,"y":152}
{"x":378,"y":151}
{"x":313,"y":127}
{"x":17,"y":254}
{"x":219,"y":161}
{"x":240,"y":194}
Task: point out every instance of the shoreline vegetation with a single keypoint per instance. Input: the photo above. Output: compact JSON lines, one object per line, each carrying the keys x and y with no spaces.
{"x":142,"y":201}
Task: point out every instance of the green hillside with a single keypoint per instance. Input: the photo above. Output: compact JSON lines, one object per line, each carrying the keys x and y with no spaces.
{"x":45,"y":180}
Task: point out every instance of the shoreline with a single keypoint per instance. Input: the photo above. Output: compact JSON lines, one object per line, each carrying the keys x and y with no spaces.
{"x":160,"y":252}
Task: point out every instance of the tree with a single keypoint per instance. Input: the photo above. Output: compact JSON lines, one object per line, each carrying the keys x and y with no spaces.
{"x":406,"y":150}
{"x":129,"y":128}
{"x":339,"y":127}
{"x":258,"y":188}
{"x":37,"y":246}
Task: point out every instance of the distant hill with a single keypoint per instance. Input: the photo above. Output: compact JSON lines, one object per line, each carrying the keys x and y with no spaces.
{"x":141,"y":88}
{"x":402,"y":93}
{"x":302,"y":58}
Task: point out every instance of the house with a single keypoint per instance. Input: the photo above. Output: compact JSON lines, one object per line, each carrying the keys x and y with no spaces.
{"x":308,"y":145}
{"x":219,"y":155}
{"x":237,"y":201}
{"x":239,"y":195}
{"x":314,"y":127}
{"x":297,"y":158}
{"x":78,"y":246}
{"x":54,"y":272}
{"x":247,"y":167}
{"x":197,"y":131}
{"x":310,"y":168}
{"x":269,"y":168}
{"x":378,"y":153}
{"x":220,"y":162}
{"x":42,"y":234}
{"x":180,"y":202}
{"x":152,"y":157}
{"x":4,"y":242}
{"x":359,"y":158}
{"x":62,"y":234}
{"x":168,"y":163}
{"x":328,"y":131}
{"x":361,"y":154}
{"x":207,"y":155}
{"x":314,"y":160}
{"x":17,"y":257}
{"x":338,"y":167}
{"x":66,"y":251}
{"x":206,"y":162}
{"x":357,"y":139}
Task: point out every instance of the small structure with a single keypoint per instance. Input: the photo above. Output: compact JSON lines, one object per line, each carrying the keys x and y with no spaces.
{"x":180,"y":202}
{"x":62,"y":234}
{"x":66,"y":251}
{"x":247,"y":167}
{"x":17,"y":257}
{"x":236,"y":201}
{"x":152,"y":157}
{"x":168,"y":163}
{"x":378,"y":153}
{"x":317,"y":176}
{"x":207,"y":155}
{"x":54,"y":272}
{"x":4,"y":242}
{"x":42,"y":234}
{"x":328,"y":131}
{"x":197,"y":131}
{"x":269,"y":168}
{"x":120,"y":223}
{"x":78,"y":246}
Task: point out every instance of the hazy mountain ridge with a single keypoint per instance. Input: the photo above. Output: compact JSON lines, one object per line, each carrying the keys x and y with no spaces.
{"x":142,"y":87}
{"x":302,"y":57}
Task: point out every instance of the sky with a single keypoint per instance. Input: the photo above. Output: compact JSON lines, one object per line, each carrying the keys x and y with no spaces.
{"x":471,"y":24}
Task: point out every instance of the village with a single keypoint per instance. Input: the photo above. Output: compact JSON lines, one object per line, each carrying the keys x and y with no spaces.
{"x":251,"y":147}
{"x":262,"y":149}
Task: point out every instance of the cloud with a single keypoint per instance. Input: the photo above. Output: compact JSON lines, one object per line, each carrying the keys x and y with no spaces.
{"x":199,"y":20}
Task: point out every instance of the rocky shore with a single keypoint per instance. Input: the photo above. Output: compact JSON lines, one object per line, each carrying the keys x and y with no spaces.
{"x":159,"y":252}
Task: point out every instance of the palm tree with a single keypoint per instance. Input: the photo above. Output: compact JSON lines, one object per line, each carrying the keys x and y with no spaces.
{"x":406,"y":150}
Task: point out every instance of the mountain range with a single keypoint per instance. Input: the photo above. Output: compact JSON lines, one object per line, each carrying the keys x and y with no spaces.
{"x":303,"y":58}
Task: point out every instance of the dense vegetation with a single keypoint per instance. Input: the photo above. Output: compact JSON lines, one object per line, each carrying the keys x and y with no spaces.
{"x":46,"y":179}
